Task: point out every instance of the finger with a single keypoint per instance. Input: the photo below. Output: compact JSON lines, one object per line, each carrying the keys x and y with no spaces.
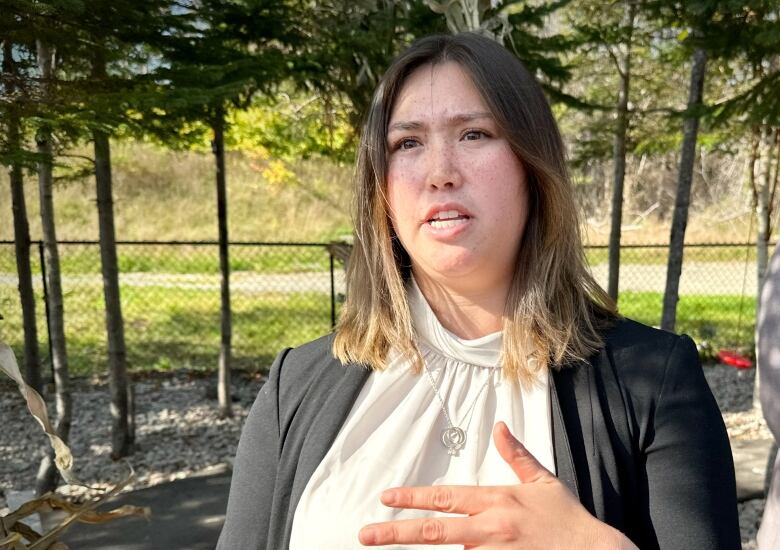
{"x":456,"y":499}
{"x":423,"y":531}
{"x":523,"y":463}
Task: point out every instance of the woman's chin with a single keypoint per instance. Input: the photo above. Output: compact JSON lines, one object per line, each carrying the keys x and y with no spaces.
{"x":452,"y":270}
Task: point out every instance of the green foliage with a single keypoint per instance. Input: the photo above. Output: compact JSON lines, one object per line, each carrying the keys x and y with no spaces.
{"x":215,"y":54}
{"x":539,"y":49}
{"x":292,"y":126}
{"x":352,"y":43}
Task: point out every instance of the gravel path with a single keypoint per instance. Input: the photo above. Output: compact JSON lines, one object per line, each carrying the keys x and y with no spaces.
{"x":179,"y":431}
{"x":705,"y":278}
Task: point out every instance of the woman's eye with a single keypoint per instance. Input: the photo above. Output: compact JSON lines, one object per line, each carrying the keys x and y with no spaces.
{"x":473,"y":135}
{"x":407,"y":143}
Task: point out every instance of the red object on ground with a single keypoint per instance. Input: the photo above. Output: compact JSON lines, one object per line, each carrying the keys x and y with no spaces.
{"x":734,"y":359}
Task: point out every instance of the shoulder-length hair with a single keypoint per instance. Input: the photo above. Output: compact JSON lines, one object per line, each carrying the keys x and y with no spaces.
{"x":555,"y":311}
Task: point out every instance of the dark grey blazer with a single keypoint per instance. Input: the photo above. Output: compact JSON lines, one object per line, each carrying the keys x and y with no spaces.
{"x":637,"y":437}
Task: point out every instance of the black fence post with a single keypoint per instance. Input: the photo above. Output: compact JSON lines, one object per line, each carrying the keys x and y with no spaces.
{"x":46,"y":304}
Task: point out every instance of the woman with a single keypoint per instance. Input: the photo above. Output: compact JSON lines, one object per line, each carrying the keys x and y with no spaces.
{"x":471,"y":311}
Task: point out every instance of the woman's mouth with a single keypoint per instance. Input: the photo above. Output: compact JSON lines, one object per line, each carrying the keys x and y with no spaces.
{"x":447,"y":218}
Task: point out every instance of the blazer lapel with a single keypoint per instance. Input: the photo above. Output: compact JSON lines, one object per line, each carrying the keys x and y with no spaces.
{"x":323,"y":430}
{"x":564,"y":463}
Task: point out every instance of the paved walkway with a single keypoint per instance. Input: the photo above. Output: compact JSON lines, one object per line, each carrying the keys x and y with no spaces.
{"x":750,"y":462}
{"x":698,"y":277}
{"x":187,"y":514}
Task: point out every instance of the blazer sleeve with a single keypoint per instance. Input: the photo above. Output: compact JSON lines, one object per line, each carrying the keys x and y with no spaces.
{"x":690,"y":470}
{"x":254,"y":471}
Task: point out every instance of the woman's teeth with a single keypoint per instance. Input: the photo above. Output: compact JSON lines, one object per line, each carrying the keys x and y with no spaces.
{"x":443,"y":224}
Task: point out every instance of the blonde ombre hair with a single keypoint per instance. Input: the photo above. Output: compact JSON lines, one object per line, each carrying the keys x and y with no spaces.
{"x":555,"y":312}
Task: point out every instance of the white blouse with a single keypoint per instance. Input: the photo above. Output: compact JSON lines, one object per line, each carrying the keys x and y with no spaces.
{"x":392,"y":435}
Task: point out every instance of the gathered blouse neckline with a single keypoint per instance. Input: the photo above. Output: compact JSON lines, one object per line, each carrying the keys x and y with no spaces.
{"x":432,"y":337}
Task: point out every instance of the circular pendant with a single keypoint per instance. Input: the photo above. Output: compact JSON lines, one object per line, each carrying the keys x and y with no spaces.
{"x":454,"y":439}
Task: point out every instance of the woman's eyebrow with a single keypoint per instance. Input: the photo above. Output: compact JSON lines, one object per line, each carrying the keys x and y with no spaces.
{"x":405,"y":125}
{"x":453,"y":120}
{"x":468,"y":117}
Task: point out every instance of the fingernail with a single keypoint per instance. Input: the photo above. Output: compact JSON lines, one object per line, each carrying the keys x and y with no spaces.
{"x":367,"y":536}
{"x":388,"y":497}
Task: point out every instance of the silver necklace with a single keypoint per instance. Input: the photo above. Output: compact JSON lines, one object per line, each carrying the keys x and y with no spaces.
{"x":454,"y":437}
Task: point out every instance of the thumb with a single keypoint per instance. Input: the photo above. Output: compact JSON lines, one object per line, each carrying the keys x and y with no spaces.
{"x":522,"y":462}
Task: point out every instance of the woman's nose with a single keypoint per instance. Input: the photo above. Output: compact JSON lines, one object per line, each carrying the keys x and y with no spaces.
{"x":443,"y":171}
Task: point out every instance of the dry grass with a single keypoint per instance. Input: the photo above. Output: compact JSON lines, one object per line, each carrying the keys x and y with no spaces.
{"x":162,"y":194}
{"x":710,"y":225}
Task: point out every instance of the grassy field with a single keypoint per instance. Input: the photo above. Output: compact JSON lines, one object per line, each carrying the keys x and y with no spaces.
{"x":171,"y":309}
{"x":658,"y":255}
{"x":170,"y":328}
{"x":722,"y":321}
{"x":169,"y":195}
{"x":179,"y":328}
{"x":81,"y":259}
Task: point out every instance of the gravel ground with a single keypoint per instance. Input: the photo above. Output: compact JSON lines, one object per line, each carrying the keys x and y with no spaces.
{"x":733,"y":390}
{"x":179,"y":431}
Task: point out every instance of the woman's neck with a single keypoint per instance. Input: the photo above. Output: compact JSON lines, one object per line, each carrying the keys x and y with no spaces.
{"x":468,"y":313}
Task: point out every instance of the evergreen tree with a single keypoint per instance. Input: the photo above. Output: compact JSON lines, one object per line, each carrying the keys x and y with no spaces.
{"x":15,"y":91}
{"x":98,"y":46}
{"x":707,"y":31}
{"x":611,"y":31}
{"x":216,"y":54}
{"x":29,"y":23}
{"x":351,"y":44}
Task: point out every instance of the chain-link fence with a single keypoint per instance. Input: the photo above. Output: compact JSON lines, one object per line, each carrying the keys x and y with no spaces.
{"x":718,"y":289}
{"x":283,"y":294}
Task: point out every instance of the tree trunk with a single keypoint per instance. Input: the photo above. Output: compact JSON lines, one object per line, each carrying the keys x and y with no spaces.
{"x":763,"y":193}
{"x":226,"y":328}
{"x":47,"y":474}
{"x":32,"y":361}
{"x":121,"y":436}
{"x":764,"y":183}
{"x":683,"y":198}
{"x":121,"y":440}
{"x":619,"y":153}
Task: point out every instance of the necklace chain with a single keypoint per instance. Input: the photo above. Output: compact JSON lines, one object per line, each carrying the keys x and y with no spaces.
{"x":454,"y":437}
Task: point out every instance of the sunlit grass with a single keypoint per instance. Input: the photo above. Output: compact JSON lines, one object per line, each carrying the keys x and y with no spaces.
{"x":78,"y":259}
{"x":721,"y":320}
{"x":170,"y":328}
{"x":659,"y":255}
{"x":178,"y":328}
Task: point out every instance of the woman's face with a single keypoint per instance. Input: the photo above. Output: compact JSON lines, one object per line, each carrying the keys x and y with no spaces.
{"x":457,"y":193}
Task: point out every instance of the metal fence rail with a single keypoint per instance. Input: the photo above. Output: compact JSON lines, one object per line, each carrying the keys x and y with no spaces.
{"x":283,"y":294}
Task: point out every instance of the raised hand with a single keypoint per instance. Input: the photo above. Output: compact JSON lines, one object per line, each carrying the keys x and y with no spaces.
{"x":538,"y":513}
